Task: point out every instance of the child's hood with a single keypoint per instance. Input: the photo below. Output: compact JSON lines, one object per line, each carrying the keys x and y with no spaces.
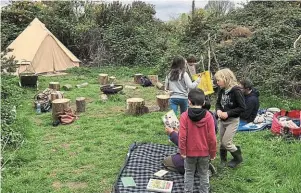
{"x":196,"y":114}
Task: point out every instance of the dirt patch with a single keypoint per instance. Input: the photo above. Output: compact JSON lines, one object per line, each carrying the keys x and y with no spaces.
{"x":83,"y":168}
{"x":76,"y":185}
{"x":57,"y":185}
{"x":38,"y":121}
{"x":66,"y":146}
{"x":49,"y":138}
{"x":72,"y":154}
{"x":53,"y":173}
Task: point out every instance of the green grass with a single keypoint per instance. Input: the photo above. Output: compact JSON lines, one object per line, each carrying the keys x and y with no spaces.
{"x":86,"y":155}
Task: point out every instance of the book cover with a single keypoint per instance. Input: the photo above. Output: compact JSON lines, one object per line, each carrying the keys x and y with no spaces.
{"x":128,"y":181}
{"x":170,"y":120}
{"x":159,"y":185}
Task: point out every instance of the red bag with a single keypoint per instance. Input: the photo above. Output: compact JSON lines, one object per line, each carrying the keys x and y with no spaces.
{"x":277,"y":128}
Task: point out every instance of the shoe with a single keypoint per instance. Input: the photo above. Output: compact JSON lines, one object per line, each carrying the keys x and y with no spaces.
{"x":237,"y":158}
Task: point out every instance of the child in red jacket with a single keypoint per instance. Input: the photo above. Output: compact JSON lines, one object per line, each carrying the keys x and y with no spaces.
{"x":197,"y":141}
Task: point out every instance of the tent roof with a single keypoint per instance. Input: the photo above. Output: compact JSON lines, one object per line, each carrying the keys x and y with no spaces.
{"x":26,"y":45}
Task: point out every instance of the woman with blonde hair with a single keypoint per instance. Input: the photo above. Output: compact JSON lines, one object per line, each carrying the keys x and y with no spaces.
{"x":230,"y":105}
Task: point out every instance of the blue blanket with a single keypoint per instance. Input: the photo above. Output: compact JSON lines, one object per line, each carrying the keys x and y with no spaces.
{"x":243,"y":126}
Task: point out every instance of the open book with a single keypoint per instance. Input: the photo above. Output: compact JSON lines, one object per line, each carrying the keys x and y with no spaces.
{"x":170,"y":120}
{"x":159,"y":185}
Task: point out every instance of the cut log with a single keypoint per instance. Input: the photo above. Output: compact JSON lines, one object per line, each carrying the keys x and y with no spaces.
{"x":112,"y":79}
{"x":136,"y":106}
{"x":54,"y":85}
{"x":137,"y":78}
{"x":160,"y":86}
{"x":103,"y":79}
{"x":131,"y":87}
{"x":104,"y":97}
{"x":67,"y":87}
{"x":59,"y":106}
{"x":82,"y":85}
{"x":162,"y":101}
{"x":56,"y":95}
{"x":80,"y":104}
{"x":153,"y":79}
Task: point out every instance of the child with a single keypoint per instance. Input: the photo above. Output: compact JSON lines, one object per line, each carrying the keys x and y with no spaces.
{"x":191,"y":65}
{"x":178,"y":82}
{"x":197,"y":141}
{"x":230,"y":105}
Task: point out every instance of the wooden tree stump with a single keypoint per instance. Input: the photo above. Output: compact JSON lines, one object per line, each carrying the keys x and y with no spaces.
{"x":103,"y":79}
{"x":137,"y":78}
{"x":162,"y":101}
{"x":160,"y":86}
{"x":54,"y":85}
{"x":56,"y":95}
{"x":80,"y":104}
{"x":67,"y":87}
{"x":153,"y":79}
{"x":112,"y":79}
{"x":58,"y":106}
{"x":136,"y":106}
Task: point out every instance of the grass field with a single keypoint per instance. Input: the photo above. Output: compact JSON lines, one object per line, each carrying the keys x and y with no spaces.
{"x":86,"y":155}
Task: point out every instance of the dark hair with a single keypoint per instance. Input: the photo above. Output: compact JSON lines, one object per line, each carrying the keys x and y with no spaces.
{"x":196,"y":96}
{"x":191,"y":59}
{"x":246,"y":83}
{"x":207,"y":104}
{"x":177,"y":68}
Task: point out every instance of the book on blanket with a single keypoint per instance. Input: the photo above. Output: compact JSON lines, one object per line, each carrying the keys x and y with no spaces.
{"x":170,"y":120}
{"x":159,"y":185}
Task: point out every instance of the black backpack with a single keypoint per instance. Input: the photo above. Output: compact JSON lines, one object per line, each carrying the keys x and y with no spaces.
{"x":145,"y":81}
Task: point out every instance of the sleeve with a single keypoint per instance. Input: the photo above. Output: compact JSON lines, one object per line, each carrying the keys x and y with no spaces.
{"x":183,"y":135}
{"x":166,"y":83}
{"x":218,"y":105}
{"x":250,"y":105}
{"x":241,"y":105}
{"x":211,"y":137}
{"x":174,"y":137}
{"x":189,"y":83}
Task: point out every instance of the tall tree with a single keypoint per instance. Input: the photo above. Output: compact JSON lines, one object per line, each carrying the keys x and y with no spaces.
{"x":220,"y":8}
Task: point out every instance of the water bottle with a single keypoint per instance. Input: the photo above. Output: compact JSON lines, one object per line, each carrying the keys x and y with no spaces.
{"x":38,"y":108}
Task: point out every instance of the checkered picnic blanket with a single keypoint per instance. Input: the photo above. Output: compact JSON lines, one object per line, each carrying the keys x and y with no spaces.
{"x":142,"y":162}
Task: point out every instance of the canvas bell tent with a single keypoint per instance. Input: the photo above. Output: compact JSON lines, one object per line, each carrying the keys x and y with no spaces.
{"x":37,"y":50}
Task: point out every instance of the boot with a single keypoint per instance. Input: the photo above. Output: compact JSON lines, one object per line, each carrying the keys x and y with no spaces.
{"x":223,"y":156}
{"x":237,"y":158}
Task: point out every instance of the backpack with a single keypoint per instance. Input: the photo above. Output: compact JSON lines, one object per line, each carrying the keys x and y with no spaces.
{"x":145,"y":81}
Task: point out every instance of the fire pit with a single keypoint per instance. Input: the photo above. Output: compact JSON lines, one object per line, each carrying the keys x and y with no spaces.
{"x":111,"y":89}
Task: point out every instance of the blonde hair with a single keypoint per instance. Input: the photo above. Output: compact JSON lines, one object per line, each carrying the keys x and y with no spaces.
{"x":227,"y":76}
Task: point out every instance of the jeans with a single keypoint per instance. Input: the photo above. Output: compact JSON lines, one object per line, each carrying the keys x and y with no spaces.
{"x":175,"y":102}
{"x":201,"y":165}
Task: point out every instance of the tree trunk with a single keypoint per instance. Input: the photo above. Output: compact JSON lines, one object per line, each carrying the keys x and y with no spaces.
{"x":160,"y":86}
{"x":103,"y":79}
{"x":162,"y":101}
{"x":153,"y":79}
{"x":59,"y":106}
{"x":56,"y":95}
{"x":80,"y":104}
{"x":137,"y":78}
{"x":54,"y":85}
{"x":136,"y":106}
{"x":67,"y":87}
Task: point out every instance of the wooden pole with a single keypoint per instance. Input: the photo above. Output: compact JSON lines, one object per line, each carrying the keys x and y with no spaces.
{"x":103,"y":79}
{"x":59,"y":106}
{"x":137,"y":78}
{"x":163,"y":102}
{"x":136,"y":106}
{"x":54,"y":85}
{"x":80,"y":104}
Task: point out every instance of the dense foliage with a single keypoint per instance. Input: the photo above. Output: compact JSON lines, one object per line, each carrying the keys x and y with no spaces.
{"x":256,"y":41}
